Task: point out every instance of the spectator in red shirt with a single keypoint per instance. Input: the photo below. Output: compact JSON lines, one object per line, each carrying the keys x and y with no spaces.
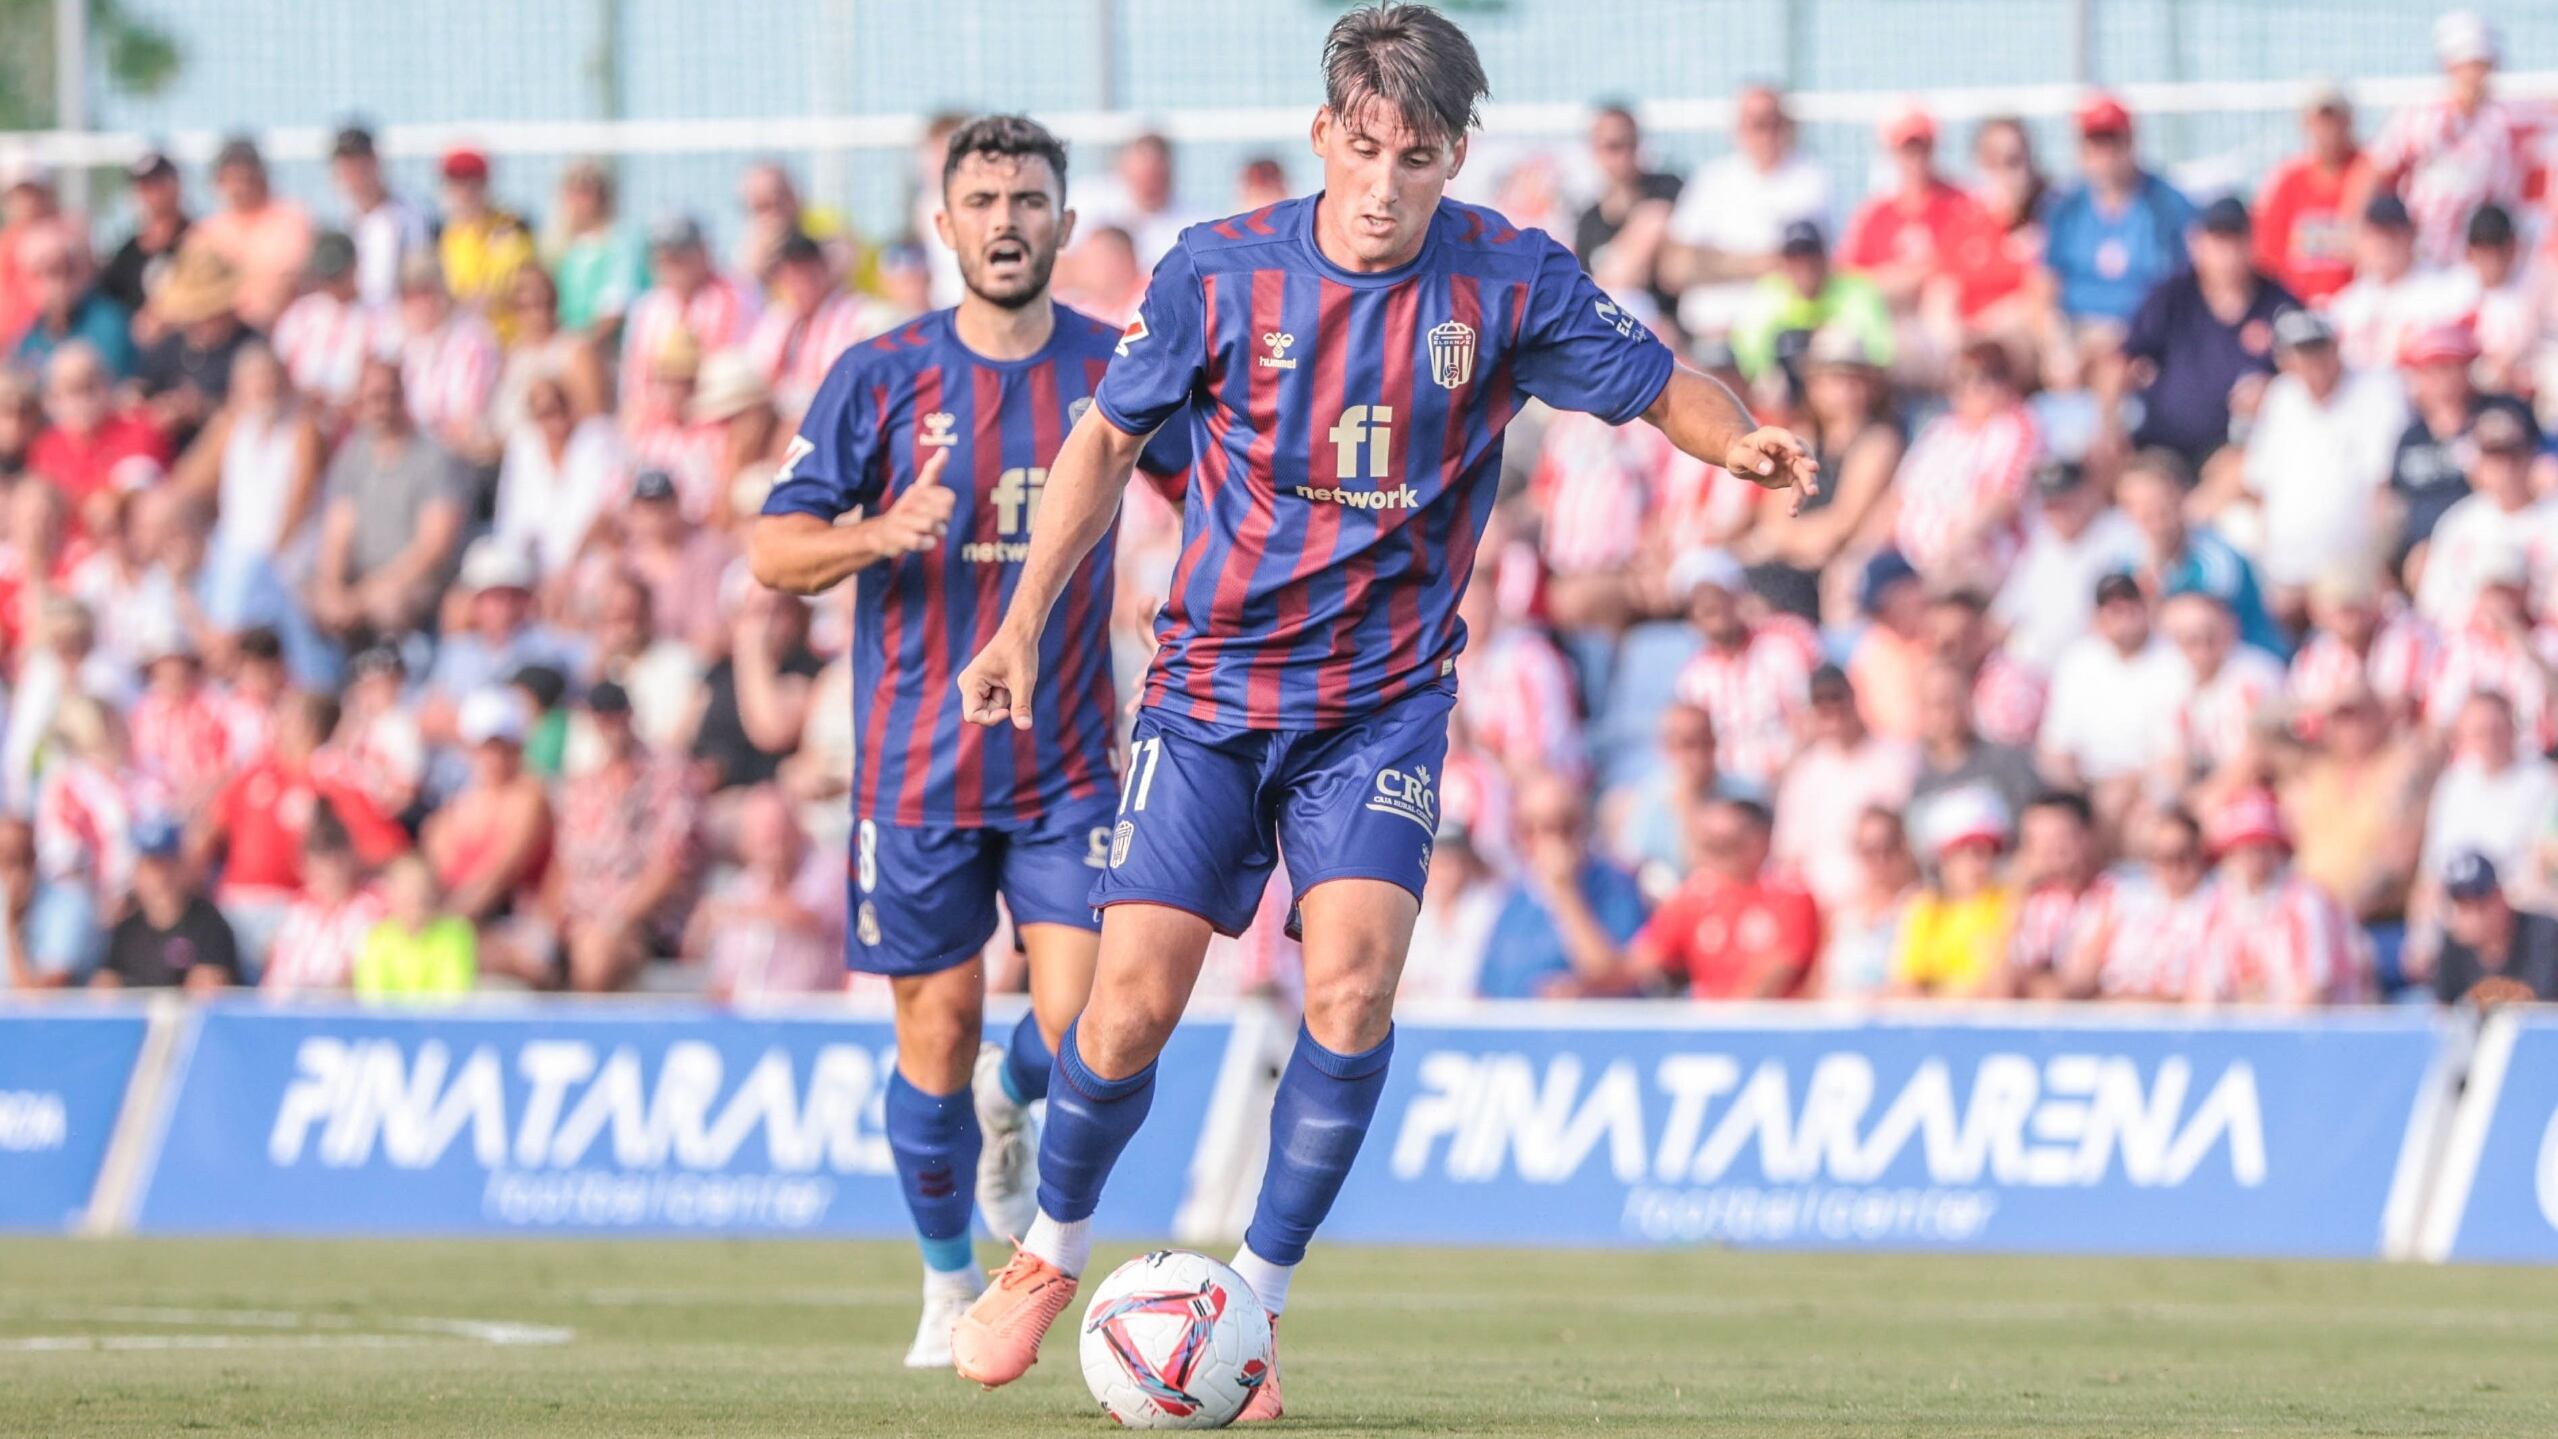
{"x":1733,"y":930}
{"x":1933,"y":249}
{"x":255,"y":827}
{"x":2304,"y":237}
{"x":85,"y":437}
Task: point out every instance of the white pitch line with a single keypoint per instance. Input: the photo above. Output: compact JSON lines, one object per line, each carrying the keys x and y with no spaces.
{"x":335,"y":1329}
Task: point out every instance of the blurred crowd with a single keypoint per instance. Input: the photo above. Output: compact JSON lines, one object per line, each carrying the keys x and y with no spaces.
{"x":2176,"y":620}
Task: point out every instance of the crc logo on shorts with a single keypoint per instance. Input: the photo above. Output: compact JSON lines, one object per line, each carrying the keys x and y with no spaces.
{"x":1120,"y":839}
{"x":866,"y":922}
{"x":1452,"y":354}
{"x":1409,"y":795}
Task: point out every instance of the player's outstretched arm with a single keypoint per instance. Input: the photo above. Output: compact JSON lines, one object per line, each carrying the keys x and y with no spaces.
{"x":1708,"y":421}
{"x":1076,"y":507}
{"x":802,"y":554}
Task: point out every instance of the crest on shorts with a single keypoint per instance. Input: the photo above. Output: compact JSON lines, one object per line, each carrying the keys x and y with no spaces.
{"x":866,"y":923}
{"x":1452,"y":354}
{"x":1120,"y":839}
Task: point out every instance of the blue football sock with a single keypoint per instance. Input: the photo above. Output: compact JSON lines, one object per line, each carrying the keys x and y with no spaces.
{"x":1322,"y":1111}
{"x":1026,"y":1062}
{"x":935,"y":1140}
{"x":1090,"y":1120}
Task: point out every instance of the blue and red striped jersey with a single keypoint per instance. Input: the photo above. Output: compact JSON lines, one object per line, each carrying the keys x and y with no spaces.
{"x":1348,"y":433}
{"x":887,"y":404}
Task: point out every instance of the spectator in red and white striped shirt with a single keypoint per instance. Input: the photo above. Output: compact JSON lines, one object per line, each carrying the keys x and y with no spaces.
{"x":666,"y":435}
{"x":325,"y":336}
{"x":2359,"y":640}
{"x":2007,"y":697}
{"x":1962,"y":488}
{"x":181,"y":738}
{"x":1753,"y":680}
{"x":2275,"y":938}
{"x":2449,"y":155}
{"x":2500,"y":651}
{"x":2060,"y":890}
{"x":811,"y":320}
{"x":2142,"y":939}
{"x":1516,"y":696}
{"x":2231,"y":689}
{"x":448,"y":362}
{"x":689,"y":297}
{"x":324,"y":927}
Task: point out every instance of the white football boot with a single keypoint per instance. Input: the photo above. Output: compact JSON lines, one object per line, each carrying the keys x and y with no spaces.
{"x":946,"y":1297}
{"x":1008,"y":1159}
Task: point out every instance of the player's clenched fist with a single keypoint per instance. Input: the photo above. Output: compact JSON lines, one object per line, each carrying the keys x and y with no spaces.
{"x":1775,"y":459}
{"x":921,"y":516}
{"x":998,"y":683}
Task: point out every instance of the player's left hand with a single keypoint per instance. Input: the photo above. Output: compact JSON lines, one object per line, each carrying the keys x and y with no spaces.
{"x":1776,"y":459}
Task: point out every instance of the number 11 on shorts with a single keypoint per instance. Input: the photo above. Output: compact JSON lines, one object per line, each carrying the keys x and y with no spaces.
{"x":1143,"y":756}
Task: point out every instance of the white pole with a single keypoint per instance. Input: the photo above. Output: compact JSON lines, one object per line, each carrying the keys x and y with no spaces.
{"x":71,"y":91}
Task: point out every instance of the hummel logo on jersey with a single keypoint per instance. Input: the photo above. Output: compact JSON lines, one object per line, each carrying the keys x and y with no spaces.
{"x":1136,"y":331}
{"x":937,"y":429}
{"x":1408,"y":795}
{"x":1452,"y":354}
{"x":1362,"y":427}
{"x":1277,"y":359}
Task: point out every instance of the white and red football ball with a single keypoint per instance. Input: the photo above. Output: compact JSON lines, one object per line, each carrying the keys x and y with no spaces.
{"x":1175,"y":1340}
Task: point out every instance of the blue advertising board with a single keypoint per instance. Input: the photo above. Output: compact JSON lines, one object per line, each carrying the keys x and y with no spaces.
{"x":2498,"y":1200}
{"x":550,"y":1118}
{"x":63,"y":1075}
{"x":2192,"y":1136}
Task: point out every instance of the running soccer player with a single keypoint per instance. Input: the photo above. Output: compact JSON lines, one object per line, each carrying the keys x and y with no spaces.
{"x":942,"y":432}
{"x":1346,"y":364}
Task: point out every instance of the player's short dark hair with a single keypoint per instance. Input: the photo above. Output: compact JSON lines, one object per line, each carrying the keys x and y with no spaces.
{"x":1412,"y":58}
{"x":1004,"y":137}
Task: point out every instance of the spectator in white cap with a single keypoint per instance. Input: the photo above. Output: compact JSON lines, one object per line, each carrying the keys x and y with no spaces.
{"x":490,"y":844}
{"x":491,"y":633}
{"x":2316,"y":464}
{"x":1752,"y":678}
{"x":2460,"y":150}
{"x":1953,"y":938}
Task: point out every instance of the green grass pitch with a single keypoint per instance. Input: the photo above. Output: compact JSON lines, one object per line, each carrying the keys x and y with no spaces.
{"x":137,"y":1337}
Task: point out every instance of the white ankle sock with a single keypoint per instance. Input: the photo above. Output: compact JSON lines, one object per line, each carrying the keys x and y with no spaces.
{"x":1269,"y":1281}
{"x":1068,"y":1246}
{"x":965,"y":1283}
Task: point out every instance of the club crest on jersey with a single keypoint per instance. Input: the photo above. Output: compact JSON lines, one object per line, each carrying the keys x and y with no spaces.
{"x":1136,"y":331}
{"x":1452,"y":354}
{"x":1277,"y":359}
{"x":938,"y":428}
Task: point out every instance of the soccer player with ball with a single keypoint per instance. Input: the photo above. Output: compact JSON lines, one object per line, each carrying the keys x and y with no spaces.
{"x":1345,"y":365}
{"x":941,"y":434}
